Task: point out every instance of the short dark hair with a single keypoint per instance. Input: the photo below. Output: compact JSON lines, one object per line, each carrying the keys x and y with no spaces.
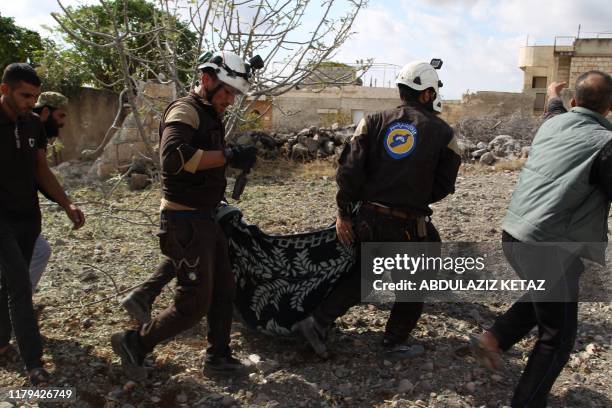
{"x":20,"y":71}
{"x":592,"y":93}
{"x":408,"y":94}
{"x":210,"y":72}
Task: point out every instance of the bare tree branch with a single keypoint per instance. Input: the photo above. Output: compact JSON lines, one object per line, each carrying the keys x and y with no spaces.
{"x":278,"y":30}
{"x":90,"y":154}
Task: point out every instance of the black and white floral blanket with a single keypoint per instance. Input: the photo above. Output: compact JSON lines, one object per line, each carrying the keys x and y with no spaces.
{"x":280,"y":279}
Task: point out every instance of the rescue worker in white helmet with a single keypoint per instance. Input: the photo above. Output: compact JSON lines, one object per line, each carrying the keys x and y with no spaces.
{"x":397,"y":163}
{"x":193,"y":157}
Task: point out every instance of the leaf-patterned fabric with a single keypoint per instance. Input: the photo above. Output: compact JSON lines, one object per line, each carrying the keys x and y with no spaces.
{"x":280,"y":279}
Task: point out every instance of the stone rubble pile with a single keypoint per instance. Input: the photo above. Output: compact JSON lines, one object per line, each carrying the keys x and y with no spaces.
{"x":502,"y":147}
{"x":308,"y":143}
{"x":520,"y":126}
{"x":313,"y":143}
{"x":492,"y":139}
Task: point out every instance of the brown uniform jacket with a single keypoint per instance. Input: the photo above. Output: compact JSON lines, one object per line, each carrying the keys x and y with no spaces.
{"x":190,"y":125}
{"x":404,"y":158}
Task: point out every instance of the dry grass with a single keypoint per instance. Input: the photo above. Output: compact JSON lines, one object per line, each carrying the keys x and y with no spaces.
{"x":510,"y":164}
{"x":291,"y":168}
{"x":504,"y":165}
{"x":315,"y":169}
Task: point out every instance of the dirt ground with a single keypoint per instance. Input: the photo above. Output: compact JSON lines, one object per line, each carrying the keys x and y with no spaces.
{"x":118,"y":248}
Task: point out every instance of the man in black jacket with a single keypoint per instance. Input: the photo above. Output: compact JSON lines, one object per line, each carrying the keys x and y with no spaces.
{"x":193,"y":160}
{"x":398,"y":163}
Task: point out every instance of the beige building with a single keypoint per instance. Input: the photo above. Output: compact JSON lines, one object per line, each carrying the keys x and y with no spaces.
{"x":302,"y":108}
{"x":543,"y":64}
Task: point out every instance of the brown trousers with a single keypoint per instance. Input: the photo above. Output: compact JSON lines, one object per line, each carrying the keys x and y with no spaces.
{"x":196,"y":249}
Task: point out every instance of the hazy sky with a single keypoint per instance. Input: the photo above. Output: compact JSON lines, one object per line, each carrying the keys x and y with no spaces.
{"x":478,"y":40}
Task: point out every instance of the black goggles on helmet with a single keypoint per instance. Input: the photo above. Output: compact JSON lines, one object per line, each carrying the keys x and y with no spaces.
{"x":254,"y":63}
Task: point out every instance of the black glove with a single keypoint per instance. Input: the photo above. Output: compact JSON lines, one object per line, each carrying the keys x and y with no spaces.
{"x":241,"y":157}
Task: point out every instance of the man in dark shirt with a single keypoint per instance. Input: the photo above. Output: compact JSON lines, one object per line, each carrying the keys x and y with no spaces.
{"x":51,"y":108}
{"x":398,"y":162}
{"x":23,"y":166}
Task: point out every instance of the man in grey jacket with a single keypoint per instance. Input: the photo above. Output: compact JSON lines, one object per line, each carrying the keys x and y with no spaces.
{"x":563,"y":197}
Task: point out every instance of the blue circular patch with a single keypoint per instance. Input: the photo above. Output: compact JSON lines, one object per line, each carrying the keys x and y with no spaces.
{"x":400,"y":140}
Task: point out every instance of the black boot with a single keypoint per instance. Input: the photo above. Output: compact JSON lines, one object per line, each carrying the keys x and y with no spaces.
{"x":397,"y":348}
{"x":390,"y":341}
{"x":126,"y":345}
{"x":214,"y":364}
{"x":314,"y":334}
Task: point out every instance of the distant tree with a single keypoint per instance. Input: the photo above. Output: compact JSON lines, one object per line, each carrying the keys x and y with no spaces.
{"x":58,"y":69}
{"x":88,"y":28}
{"x":17,"y":43}
{"x":124,"y":40}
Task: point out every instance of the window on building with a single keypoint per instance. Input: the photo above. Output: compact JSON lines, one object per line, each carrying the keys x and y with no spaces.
{"x":538,"y":82}
{"x":540,"y":100}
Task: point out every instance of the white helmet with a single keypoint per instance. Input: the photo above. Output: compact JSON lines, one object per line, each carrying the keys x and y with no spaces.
{"x":420,"y":76}
{"x":229,"y":67}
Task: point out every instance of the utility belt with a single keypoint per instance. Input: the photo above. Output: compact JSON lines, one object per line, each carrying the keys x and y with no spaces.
{"x":405,"y":215}
{"x":202,"y":214}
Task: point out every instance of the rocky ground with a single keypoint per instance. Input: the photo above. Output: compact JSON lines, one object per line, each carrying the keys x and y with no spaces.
{"x":118,"y":248}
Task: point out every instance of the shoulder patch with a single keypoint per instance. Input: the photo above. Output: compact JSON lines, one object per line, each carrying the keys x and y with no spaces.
{"x":400,"y":140}
{"x":184,"y":113}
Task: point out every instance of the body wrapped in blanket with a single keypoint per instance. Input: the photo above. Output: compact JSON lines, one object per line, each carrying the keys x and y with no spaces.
{"x":280,"y":279}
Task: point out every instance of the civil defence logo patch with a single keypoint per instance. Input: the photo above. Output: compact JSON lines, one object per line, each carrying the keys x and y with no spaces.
{"x":400,"y":140}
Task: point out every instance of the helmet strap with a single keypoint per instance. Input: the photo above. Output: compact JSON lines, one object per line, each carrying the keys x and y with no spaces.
{"x":429,"y":103}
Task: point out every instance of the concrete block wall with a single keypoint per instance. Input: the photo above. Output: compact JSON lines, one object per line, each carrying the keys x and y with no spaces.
{"x":563,"y":68}
{"x":126,"y":142}
{"x":488,"y":103}
{"x":296,"y":110}
{"x":582,"y":64}
{"x":92,"y":111}
{"x":90,"y":114}
{"x":452,"y":110}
